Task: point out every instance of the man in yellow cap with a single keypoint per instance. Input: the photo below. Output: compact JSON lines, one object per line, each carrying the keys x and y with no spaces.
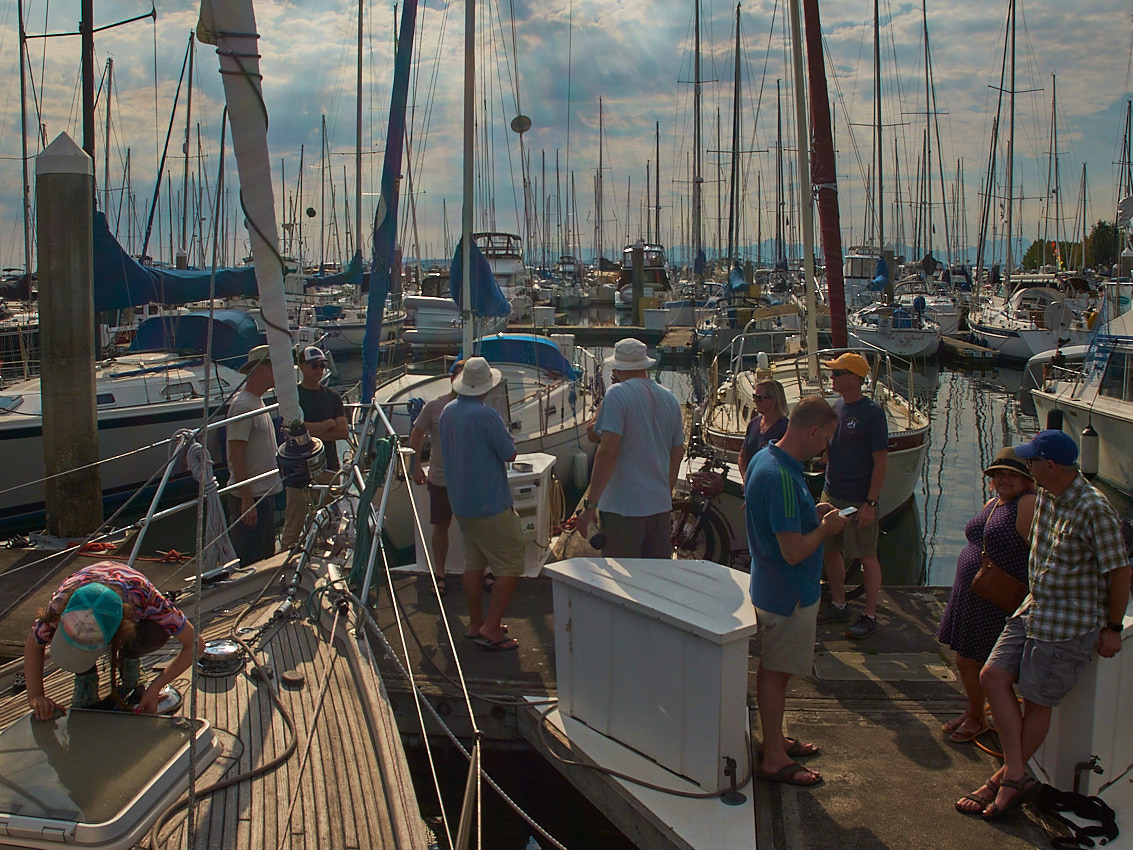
{"x":856,"y":461}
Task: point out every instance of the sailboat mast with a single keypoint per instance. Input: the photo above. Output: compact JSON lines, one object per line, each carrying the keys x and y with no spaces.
{"x":106,"y":153}
{"x":1009,"y":263}
{"x":26,"y":185}
{"x":358,"y":137}
{"x":928,"y":132}
{"x":806,"y":209}
{"x":598,"y":189}
{"x":469,"y":153}
{"x":185,"y":169}
{"x":657,"y":180}
{"x":878,"y":148}
{"x":734,"y":178}
{"x":697,"y":247}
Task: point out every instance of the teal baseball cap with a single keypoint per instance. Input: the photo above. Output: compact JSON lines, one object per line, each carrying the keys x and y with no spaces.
{"x":88,"y":624}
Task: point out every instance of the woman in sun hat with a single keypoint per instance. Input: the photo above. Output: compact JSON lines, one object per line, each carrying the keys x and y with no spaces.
{"x":971,"y":624}
{"x":105,"y":606}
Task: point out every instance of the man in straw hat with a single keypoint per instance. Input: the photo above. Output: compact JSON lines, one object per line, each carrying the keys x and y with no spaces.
{"x":476,"y":446}
{"x":856,"y":461}
{"x":105,"y":605}
{"x":636,"y":465}
{"x":251,"y":452}
{"x":1079,"y":575}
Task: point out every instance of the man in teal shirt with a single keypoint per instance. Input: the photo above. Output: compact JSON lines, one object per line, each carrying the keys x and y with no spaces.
{"x":785,"y":532}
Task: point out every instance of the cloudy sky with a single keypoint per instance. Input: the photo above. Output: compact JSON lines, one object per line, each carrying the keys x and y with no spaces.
{"x":555,"y":61}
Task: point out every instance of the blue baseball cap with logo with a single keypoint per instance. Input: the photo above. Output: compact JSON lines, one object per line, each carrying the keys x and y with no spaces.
{"x":88,"y":624}
{"x":1055,"y":446}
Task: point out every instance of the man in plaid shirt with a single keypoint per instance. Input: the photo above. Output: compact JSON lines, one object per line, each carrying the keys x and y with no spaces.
{"x":1079,"y":579}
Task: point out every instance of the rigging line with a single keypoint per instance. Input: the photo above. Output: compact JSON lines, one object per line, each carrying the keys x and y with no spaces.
{"x":400,"y":622}
{"x":285,"y":836}
{"x":422,"y":700}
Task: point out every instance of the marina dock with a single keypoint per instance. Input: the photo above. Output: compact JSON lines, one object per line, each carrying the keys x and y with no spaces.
{"x":875,"y":709}
{"x":967,"y":354}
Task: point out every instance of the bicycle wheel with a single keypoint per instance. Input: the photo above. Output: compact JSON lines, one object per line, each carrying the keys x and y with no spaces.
{"x":699,"y":536}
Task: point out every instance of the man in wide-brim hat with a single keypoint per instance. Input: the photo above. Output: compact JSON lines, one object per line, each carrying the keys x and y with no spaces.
{"x":636,"y":465}
{"x":477,"y":446}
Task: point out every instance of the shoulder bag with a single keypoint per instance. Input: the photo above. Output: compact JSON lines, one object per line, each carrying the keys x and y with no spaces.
{"x":993,"y":584}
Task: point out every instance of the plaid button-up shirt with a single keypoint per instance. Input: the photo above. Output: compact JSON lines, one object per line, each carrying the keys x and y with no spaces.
{"x":1075,"y":543}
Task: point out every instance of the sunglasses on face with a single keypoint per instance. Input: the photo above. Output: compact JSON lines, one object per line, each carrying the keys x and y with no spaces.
{"x":838,"y":373}
{"x":320,"y":365}
{"x":759,"y":397}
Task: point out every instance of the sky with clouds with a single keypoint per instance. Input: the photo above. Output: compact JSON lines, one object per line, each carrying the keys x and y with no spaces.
{"x":556,"y":61}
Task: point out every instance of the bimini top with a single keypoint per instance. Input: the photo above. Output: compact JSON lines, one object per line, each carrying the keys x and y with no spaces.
{"x":528,"y":349}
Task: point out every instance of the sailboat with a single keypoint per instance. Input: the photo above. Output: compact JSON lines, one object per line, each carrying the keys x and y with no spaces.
{"x":886,"y":325}
{"x":731,"y":405}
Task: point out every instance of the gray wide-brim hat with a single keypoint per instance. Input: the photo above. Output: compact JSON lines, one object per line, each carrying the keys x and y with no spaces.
{"x":630,"y":355}
{"x":255,"y":357}
{"x":476,"y":378}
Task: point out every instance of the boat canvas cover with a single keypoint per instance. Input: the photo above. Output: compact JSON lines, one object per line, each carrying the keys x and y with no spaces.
{"x":121,"y":282}
{"x":349,"y":276}
{"x":527,"y":349}
{"x":487,"y":297}
{"x":234,"y":334}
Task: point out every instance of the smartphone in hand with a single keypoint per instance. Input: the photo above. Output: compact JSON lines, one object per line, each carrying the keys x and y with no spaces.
{"x":850,"y":511}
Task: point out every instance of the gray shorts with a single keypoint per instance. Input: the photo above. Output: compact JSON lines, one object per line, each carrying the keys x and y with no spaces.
{"x":1046,"y":670}
{"x":853,"y":541}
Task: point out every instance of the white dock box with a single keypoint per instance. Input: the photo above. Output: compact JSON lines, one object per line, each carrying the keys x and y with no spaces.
{"x":1093,"y":719}
{"x":654,"y":654}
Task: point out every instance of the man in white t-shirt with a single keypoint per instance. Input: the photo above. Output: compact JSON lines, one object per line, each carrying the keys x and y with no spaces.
{"x":251,"y":452}
{"x":440,"y":511}
{"x":636,"y":465}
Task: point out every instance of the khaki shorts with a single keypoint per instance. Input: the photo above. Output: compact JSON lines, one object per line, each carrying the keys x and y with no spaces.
{"x":493,"y":542}
{"x":788,"y":642}
{"x":853,"y":541}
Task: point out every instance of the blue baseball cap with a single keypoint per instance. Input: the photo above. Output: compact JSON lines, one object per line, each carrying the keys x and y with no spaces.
{"x":1055,"y":446}
{"x":88,"y":624}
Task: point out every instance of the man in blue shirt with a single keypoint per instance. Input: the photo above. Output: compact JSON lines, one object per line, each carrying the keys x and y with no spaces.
{"x":785,"y":531}
{"x":637,"y":461}
{"x":476,"y":447}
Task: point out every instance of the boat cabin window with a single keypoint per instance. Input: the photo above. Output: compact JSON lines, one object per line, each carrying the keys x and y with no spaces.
{"x":104,"y":398}
{"x":178,"y":391}
{"x":1116,"y":380}
{"x":8,"y":403}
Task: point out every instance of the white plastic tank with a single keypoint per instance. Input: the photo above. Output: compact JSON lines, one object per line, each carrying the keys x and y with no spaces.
{"x":579,"y":469}
{"x":544,"y":317}
{"x":565,"y":342}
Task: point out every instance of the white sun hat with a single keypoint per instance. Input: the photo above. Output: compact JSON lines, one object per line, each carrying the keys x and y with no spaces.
{"x":630,"y":355}
{"x":476,"y":378}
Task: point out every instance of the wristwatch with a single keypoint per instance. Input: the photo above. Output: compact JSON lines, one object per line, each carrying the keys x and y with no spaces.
{"x":871,"y":502}
{"x":1115,"y":627}
{"x":587,"y":504}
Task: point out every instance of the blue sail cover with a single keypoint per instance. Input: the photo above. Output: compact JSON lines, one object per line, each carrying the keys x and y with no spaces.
{"x":385,"y":217}
{"x":487,"y":298}
{"x":529,"y":349}
{"x":351,"y":275}
{"x":121,"y":282}
{"x":234,"y":334}
{"x":736,"y":278}
{"x":880,"y":276}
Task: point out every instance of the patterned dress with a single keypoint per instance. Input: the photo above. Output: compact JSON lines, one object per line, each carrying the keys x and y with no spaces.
{"x":971,"y":624}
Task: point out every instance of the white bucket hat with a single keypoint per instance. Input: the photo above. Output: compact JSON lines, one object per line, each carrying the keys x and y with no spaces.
{"x":476,"y":378}
{"x":630,"y":355}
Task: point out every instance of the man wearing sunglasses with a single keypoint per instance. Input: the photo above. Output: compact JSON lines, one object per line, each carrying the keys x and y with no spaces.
{"x":324,"y":417}
{"x":856,"y":462}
